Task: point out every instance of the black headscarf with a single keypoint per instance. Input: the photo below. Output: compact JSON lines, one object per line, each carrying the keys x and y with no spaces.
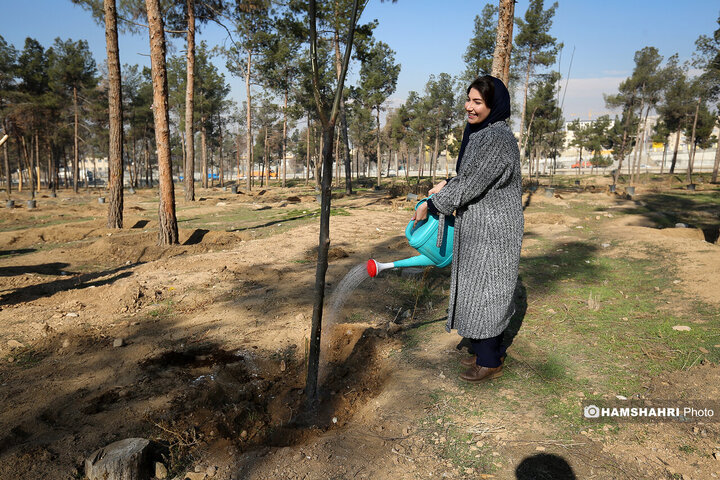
{"x":500,"y":110}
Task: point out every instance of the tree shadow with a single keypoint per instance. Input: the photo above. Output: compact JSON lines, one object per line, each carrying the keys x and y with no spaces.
{"x":20,"y":251}
{"x":41,"y":269}
{"x":196,"y":237}
{"x":544,"y":466}
{"x":666,"y":210}
{"x":270,"y":224}
{"x":33,"y":292}
{"x":141,"y":224}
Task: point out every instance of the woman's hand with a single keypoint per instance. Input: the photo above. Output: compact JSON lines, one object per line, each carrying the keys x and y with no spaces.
{"x":421,"y":214}
{"x":437,"y":187}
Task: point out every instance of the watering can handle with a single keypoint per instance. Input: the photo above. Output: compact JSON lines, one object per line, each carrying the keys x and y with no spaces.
{"x":441,"y":223}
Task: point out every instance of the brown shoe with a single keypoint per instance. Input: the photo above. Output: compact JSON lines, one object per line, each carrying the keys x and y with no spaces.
{"x":477,"y":374}
{"x":470,"y":360}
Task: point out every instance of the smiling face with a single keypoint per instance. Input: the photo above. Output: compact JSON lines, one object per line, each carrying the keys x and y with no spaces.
{"x":475,"y":107}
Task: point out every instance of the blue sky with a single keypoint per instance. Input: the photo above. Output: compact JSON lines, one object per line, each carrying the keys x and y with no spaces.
{"x":430,"y":39}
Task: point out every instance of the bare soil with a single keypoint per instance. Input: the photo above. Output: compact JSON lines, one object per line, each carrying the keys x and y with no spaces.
{"x":214,"y":337}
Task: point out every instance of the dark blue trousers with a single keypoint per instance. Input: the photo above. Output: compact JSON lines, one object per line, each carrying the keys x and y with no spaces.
{"x":489,"y":350}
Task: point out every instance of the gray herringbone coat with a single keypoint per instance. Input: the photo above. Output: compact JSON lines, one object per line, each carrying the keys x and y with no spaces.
{"x":486,"y":196}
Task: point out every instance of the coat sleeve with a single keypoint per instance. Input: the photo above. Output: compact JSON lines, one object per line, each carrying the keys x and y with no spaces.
{"x":486,"y":159}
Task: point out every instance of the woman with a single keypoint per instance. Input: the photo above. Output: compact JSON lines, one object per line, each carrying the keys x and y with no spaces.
{"x":486,"y":197}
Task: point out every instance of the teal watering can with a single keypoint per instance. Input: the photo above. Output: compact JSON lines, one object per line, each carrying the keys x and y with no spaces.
{"x":433,"y":238}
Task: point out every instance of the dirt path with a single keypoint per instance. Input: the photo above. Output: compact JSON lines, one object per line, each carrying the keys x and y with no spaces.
{"x":213,"y":337}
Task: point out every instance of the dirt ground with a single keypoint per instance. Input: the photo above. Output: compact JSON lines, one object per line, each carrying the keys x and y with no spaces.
{"x":201,"y":346}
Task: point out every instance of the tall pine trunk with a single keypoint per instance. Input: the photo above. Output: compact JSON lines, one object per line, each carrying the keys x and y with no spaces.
{"x":115,"y":112}
{"x":167,"y":220}
{"x":189,"y":106}
{"x":503,"y":41}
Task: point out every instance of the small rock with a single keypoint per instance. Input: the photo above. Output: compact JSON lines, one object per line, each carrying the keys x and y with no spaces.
{"x":393,"y":328}
{"x":71,"y":314}
{"x":66,"y":343}
{"x":681,"y":328}
{"x":194,"y":476}
{"x":620,"y":397}
{"x":703,"y":350}
{"x":211,"y":471}
{"x":681,"y":225}
{"x":118,"y":342}
{"x":283,"y":367}
{"x":605,"y":245}
{"x":298,"y":456}
{"x":539,"y":449}
{"x":160,"y":471}
{"x":243,"y":434}
{"x":13,"y":344}
{"x":11,"y":359}
{"x":221,"y":204}
{"x":334,"y":420}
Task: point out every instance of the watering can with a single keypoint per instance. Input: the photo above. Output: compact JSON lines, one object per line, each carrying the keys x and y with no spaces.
{"x":433,"y":238}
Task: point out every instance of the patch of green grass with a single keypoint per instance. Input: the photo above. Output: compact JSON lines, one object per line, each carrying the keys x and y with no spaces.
{"x":448,"y":427}
{"x":42,"y":221}
{"x":688,"y":449}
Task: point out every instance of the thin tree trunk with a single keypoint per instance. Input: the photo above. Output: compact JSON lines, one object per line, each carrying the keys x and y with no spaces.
{"x":420,"y":160}
{"x":634,"y":162}
{"x":37,"y":160}
{"x":220,"y":155}
{"x":379,"y":158}
{"x":21,"y":163}
{"x":266,"y":159}
{"x":248,"y":135}
{"x":642,"y":143}
{"x":691,"y":158}
{"x":29,"y":162}
{"x":76,"y":151}
{"x":622,"y":149}
{"x":203,"y":148}
{"x":167,"y":220}
{"x":675,"y":152}
{"x":284,"y":145}
{"x":307,"y":154}
{"x":716,"y":165}
{"x":237,"y":156}
{"x":346,"y":145}
{"x":8,"y":173}
{"x":115,"y":112}
{"x":524,"y":107}
{"x":190,"y":105}
{"x":503,"y":41}
{"x":433,"y":160}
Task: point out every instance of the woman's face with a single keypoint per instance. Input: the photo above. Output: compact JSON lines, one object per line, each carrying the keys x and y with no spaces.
{"x":475,"y":107}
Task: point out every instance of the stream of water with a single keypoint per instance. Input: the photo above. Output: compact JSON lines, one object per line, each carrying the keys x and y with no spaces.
{"x":343,"y":292}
